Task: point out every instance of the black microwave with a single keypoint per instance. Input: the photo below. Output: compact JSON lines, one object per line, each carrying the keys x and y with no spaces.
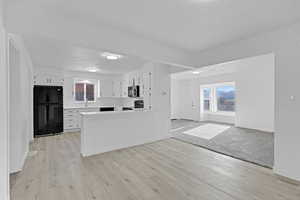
{"x":139,"y":104}
{"x":134,"y":91}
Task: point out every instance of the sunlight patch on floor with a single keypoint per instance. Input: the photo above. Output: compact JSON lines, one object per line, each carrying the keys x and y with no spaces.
{"x":207,"y":131}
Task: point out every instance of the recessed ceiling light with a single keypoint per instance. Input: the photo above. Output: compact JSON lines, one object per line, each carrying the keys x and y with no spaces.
{"x":196,"y":72}
{"x":111,"y":56}
{"x":92,"y":70}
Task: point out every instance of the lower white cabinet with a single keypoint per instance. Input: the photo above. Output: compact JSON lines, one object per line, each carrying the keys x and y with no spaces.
{"x":72,"y":118}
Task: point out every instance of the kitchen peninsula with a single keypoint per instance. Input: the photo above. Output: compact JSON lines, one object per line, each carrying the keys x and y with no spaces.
{"x":107,"y":131}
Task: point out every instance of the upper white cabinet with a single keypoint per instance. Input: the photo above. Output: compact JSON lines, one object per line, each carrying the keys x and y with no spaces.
{"x":106,"y":88}
{"x":48,"y":79}
{"x":111,"y":88}
{"x":124,"y":88}
{"x":117,"y":88}
{"x":147,"y":87}
{"x":134,"y":77}
{"x":144,"y":79}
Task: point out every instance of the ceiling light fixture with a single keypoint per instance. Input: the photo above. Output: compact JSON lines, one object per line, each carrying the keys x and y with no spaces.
{"x":196,"y":72}
{"x":93,"y":70}
{"x":111,"y":56}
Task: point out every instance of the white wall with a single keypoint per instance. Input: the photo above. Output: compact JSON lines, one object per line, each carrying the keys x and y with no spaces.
{"x":285,"y":44}
{"x":255,"y":87}
{"x":161,"y":98}
{"x":188,"y":95}
{"x":21,"y":105}
{"x":182,"y":102}
{"x":4,"y":185}
{"x":175,"y":101}
{"x":254,"y":82}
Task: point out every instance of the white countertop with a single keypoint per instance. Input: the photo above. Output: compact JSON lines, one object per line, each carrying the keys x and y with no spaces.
{"x":113,"y":112}
{"x":81,"y":107}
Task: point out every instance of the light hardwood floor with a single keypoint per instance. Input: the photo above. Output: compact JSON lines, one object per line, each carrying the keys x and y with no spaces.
{"x":168,"y":170}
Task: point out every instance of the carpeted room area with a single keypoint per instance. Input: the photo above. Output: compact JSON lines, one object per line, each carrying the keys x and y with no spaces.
{"x":245,"y":144}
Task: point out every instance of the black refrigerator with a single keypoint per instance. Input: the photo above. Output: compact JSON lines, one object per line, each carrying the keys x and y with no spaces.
{"x":48,"y":110}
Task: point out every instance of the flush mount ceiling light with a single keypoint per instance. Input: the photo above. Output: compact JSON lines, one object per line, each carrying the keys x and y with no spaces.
{"x":196,"y":72}
{"x":92,"y":69}
{"x":111,"y":56}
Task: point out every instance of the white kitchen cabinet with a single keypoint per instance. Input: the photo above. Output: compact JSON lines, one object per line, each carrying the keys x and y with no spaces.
{"x":106,"y":88}
{"x":125,"y":84}
{"x":72,"y":118}
{"x":130,"y":79}
{"x":146,"y":88}
{"x":71,"y":121}
{"x":48,"y":79}
{"x":134,"y":77}
{"x":125,"y":87}
{"x":144,"y":79}
{"x":138,"y":78}
{"x":117,"y":88}
{"x":111,"y":88}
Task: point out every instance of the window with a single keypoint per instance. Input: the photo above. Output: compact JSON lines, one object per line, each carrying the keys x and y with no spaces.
{"x":218,"y":97}
{"x":90,"y":92}
{"x":206,"y":98}
{"x":84,"y":91}
{"x":79,"y":91}
{"x":225,"y":98}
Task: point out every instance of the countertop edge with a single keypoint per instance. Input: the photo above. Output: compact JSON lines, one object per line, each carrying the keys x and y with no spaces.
{"x":112,"y":112}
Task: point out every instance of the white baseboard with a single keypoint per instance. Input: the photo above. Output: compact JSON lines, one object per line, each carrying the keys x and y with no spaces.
{"x":258,"y":129}
{"x":285,"y":175}
{"x":21,"y":165}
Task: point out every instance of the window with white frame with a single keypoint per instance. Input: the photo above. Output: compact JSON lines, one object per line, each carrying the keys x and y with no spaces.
{"x":206,"y":99}
{"x":218,"y":97}
{"x":84,"y":90}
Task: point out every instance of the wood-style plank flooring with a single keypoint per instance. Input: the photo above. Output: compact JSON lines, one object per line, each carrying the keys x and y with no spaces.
{"x":164,"y":170}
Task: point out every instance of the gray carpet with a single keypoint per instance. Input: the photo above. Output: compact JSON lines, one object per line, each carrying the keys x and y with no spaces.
{"x":245,"y":144}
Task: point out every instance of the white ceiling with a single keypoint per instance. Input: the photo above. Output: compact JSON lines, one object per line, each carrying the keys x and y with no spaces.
{"x":231,"y":67}
{"x":186,"y":24}
{"x":59,"y":55}
{"x":169,"y":31}
{"x":212,"y":70}
{"x":53,"y":54}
